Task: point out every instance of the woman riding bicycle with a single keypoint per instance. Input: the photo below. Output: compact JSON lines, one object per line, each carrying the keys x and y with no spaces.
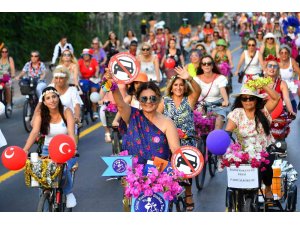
{"x":193,"y":66}
{"x":269,"y":47}
{"x":99,"y":54}
{"x":213,"y":86}
{"x":181,"y":97}
{"x":251,"y":117}
{"x":7,"y":72}
{"x":51,"y":120}
{"x":89,"y":70}
{"x":35,"y":69}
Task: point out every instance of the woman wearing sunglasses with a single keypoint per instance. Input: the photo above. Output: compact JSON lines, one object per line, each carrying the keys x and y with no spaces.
{"x":181,"y":97}
{"x":7,"y":71}
{"x":68,"y":60}
{"x":149,"y":63}
{"x":279,"y":85}
{"x":99,"y":54}
{"x":259,"y":39}
{"x":289,"y":72}
{"x":269,"y":47}
{"x":252,"y":60}
{"x":250,"y":115}
{"x":35,"y":69}
{"x":213,"y":86}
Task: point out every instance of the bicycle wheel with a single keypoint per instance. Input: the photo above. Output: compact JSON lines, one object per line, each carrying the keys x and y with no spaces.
{"x":8,"y":113}
{"x":230,"y":200}
{"x":200,"y":178}
{"x":246,"y":205}
{"x":212,"y":164}
{"x":115,"y":142}
{"x":292,"y":198}
{"x":45,"y":203}
{"x":27,"y":115}
{"x":180,"y":204}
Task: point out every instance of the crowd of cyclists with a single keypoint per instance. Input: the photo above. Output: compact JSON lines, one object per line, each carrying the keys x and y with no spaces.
{"x":196,"y":64}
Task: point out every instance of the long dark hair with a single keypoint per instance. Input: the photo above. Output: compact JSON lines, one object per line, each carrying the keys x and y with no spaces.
{"x":259,"y":116}
{"x":148,"y":85}
{"x":45,"y":113}
{"x":214,"y":69}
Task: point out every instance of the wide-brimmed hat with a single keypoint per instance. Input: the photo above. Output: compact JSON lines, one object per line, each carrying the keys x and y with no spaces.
{"x":269,"y":35}
{"x":246,"y":91}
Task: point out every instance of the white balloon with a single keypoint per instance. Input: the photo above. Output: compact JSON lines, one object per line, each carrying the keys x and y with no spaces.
{"x":95,"y":97}
{"x":9,"y":156}
{"x":61,"y":148}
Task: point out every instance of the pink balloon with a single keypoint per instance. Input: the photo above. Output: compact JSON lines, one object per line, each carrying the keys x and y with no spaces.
{"x":278,"y":110}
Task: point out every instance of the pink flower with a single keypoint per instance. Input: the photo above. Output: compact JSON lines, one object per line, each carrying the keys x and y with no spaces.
{"x":124,"y":153}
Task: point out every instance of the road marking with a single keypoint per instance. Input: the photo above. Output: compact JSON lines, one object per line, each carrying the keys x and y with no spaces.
{"x":90,"y":129}
{"x":9,"y":174}
{"x":235,"y":49}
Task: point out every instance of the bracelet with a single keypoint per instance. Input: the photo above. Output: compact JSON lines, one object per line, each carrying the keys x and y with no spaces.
{"x":108,"y":85}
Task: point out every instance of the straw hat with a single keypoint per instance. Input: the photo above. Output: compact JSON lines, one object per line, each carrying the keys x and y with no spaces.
{"x":246,"y":91}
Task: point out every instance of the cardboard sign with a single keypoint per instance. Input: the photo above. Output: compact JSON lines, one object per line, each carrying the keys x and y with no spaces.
{"x":117,"y":165}
{"x":188,"y":160}
{"x":124,"y":67}
{"x":154,"y":203}
{"x":243,"y":177}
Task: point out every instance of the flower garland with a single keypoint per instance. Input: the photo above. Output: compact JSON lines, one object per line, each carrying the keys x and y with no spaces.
{"x":238,"y":154}
{"x":34,"y":72}
{"x":137,"y":183}
{"x":257,"y":83}
{"x":108,"y":85}
{"x":44,"y":171}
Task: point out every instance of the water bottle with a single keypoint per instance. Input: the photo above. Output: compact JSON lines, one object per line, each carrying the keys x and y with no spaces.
{"x":34,"y":157}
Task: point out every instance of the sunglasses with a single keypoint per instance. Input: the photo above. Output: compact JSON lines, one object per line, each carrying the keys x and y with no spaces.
{"x":59,"y":78}
{"x":251,"y":45}
{"x":95,"y":43}
{"x":274,"y":66}
{"x":206,"y":63}
{"x":67,"y":54}
{"x":34,"y":56}
{"x":152,"y":99}
{"x":270,"y":38}
{"x":284,"y":53}
{"x":85,"y":55}
{"x":259,"y":34}
{"x":248,"y":99}
{"x":4,"y":51}
{"x":146,"y":49}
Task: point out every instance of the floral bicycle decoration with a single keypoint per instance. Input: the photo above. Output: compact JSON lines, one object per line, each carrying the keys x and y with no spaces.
{"x":204,"y":122}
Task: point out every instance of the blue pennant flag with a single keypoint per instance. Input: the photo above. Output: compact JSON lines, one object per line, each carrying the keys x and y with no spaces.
{"x":116,"y":165}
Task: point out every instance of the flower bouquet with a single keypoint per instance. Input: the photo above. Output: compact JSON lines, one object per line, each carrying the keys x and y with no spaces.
{"x":110,"y":113}
{"x":224,"y":68}
{"x":204,"y":122}
{"x":238,"y":154}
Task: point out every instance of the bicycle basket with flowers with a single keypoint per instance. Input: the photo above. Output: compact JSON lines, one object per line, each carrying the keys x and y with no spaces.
{"x":238,"y":154}
{"x":110,"y":113}
{"x":204,"y":122}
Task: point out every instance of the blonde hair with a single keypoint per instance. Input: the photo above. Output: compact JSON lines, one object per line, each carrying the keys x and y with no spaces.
{"x":62,"y":70}
{"x":96,"y":39}
{"x":73,"y":59}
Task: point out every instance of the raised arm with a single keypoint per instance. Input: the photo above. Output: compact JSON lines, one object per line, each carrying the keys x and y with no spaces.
{"x":273,"y":100}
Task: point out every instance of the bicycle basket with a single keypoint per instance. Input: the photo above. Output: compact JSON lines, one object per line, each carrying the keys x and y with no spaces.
{"x":45,"y":173}
{"x":26,"y":88}
{"x":204,"y":124}
{"x":110,"y":116}
{"x":242,"y":177}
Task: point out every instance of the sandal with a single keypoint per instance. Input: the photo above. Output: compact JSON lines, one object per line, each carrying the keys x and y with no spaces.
{"x":107,"y":138}
{"x":189,"y":206}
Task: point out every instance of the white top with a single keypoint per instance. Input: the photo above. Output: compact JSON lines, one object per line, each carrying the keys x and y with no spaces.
{"x":149,"y":69}
{"x":127,"y":41}
{"x":214,"y":93}
{"x":207,"y":16}
{"x":254,"y":67}
{"x":69,"y":99}
{"x":55,"y":129}
{"x":288,"y":73}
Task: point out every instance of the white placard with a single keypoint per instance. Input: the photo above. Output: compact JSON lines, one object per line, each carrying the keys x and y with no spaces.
{"x":243,"y":177}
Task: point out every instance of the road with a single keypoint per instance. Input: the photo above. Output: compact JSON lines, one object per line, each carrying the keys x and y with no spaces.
{"x":93,"y":192}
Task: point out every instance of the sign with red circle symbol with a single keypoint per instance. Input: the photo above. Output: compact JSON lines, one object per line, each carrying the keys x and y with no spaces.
{"x":13,"y":158}
{"x":188,"y":160}
{"x":124,"y":67}
{"x":61,"y":148}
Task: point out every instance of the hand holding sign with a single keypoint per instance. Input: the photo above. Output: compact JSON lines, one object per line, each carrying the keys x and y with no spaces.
{"x":124,"y":68}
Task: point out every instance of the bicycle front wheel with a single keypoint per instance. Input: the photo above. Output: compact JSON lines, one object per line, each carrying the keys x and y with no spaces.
{"x":27,"y":115}
{"x":115,"y":142}
{"x":200,"y":178}
{"x":212,"y":164}
{"x":45,"y":203}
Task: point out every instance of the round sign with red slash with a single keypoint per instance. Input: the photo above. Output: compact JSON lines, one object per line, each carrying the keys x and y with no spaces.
{"x":188,"y":160}
{"x":124,"y":67}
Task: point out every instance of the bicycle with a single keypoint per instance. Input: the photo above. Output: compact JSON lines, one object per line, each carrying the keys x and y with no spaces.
{"x":8,"y":113}
{"x":202,"y":132}
{"x":116,"y":138}
{"x":28,"y":88}
{"x":86,"y":109}
{"x":52,"y":198}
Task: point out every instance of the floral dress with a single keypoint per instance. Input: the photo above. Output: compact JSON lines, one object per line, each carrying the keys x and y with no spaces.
{"x":253,"y":140}
{"x":143,"y":139}
{"x":183,"y":118}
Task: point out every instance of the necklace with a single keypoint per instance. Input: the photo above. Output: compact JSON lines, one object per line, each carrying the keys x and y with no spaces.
{"x":34,"y":72}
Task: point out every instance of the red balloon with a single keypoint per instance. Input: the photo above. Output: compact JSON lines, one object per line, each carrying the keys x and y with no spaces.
{"x":61,"y":148}
{"x":170,"y":63}
{"x":14,"y":158}
{"x":278,"y":110}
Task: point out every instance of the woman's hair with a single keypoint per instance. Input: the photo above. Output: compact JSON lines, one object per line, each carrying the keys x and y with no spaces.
{"x":187,"y":87}
{"x":170,"y":42}
{"x":110,"y":33}
{"x":73,"y":59}
{"x":206,"y":37}
{"x":5,"y":47}
{"x":62,"y":69}
{"x":96,"y":39}
{"x":36,"y":52}
{"x":259,"y":115}
{"x":251,"y":39}
{"x":214,"y":69}
{"x":133,"y":35}
{"x":148,"y":85}
{"x":45,"y":113}
{"x":146,"y":44}
{"x":286,"y":48}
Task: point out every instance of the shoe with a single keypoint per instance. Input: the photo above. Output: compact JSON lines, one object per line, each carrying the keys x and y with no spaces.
{"x":95,"y":115}
{"x":107,"y":138}
{"x":71,"y":200}
{"x":189,"y":206}
{"x":8,"y":107}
